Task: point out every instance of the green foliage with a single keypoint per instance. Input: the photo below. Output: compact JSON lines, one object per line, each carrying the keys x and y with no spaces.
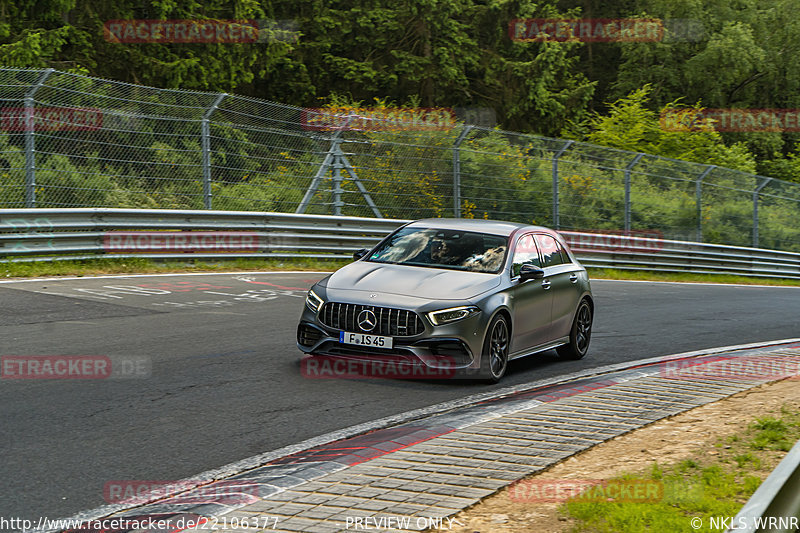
{"x":69,"y":36}
{"x":771,"y":434}
{"x":700,"y":487}
{"x":744,"y":54}
{"x":502,"y":181}
{"x":451,"y":53}
{"x":631,"y":125}
{"x":12,"y":175}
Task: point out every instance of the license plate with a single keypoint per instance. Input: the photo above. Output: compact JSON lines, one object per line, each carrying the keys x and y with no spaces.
{"x":376,"y":341}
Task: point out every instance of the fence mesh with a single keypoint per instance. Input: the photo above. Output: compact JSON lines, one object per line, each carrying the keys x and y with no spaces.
{"x":74,"y":141}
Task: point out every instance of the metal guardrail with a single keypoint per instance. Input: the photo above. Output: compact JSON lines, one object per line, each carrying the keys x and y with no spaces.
{"x":630,"y":252}
{"x":50,"y":234}
{"x":776,"y":502}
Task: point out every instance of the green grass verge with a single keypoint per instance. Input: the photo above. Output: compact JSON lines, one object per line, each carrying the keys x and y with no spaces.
{"x":644,"y":275}
{"x":99,"y":266}
{"x":91,"y":267}
{"x":714,"y":483}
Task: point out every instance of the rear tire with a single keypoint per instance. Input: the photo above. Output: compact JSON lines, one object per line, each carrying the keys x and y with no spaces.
{"x":580,"y":334}
{"x":495,"y":349}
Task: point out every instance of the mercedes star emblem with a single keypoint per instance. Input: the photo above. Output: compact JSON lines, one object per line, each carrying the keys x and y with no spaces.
{"x":367,"y":320}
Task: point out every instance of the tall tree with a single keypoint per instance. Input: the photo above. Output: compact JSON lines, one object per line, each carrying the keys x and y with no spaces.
{"x":430,"y":53}
{"x":69,"y":35}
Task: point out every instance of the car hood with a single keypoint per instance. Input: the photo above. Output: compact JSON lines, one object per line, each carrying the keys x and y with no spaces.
{"x":422,"y":282}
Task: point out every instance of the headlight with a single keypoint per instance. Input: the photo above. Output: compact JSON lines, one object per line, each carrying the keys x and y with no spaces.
{"x":313,"y":301}
{"x":444,"y":316}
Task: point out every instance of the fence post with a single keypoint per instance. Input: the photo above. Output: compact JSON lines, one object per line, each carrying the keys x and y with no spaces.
{"x":457,"y":170}
{"x":205,"y":143}
{"x":628,"y":168}
{"x":698,"y":192}
{"x":556,"y":157}
{"x":30,"y":143}
{"x":755,"y":208}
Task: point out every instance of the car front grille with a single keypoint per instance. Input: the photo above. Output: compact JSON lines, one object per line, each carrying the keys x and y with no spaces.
{"x":389,"y":322}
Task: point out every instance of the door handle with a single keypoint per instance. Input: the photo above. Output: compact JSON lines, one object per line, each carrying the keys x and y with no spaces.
{"x":546,"y":284}
{"x":573,"y":278}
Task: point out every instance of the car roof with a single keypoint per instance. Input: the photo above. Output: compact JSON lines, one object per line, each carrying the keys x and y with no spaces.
{"x":493,"y":227}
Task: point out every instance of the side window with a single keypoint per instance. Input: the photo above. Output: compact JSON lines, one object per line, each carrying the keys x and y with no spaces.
{"x":525,"y":253}
{"x":552,"y":254}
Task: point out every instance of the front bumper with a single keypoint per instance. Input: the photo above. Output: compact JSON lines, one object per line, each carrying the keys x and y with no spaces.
{"x":454,"y":346}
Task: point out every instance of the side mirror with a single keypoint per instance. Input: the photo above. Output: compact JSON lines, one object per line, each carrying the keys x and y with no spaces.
{"x":529,"y":271}
{"x":358,"y":254}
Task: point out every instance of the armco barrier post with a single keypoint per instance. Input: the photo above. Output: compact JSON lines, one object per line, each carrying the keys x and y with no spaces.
{"x":30,"y":143}
{"x":556,"y":157}
{"x":205,"y":142}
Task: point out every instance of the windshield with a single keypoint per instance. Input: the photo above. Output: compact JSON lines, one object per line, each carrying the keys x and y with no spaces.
{"x":461,"y":250}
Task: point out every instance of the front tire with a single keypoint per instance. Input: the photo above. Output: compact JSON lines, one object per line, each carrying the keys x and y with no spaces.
{"x":580,"y":334}
{"x":495,"y":349}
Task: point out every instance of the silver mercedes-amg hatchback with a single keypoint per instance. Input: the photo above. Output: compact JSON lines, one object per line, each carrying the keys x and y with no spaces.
{"x":461,"y":294}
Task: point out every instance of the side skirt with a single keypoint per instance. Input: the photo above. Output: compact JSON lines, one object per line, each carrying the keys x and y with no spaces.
{"x":541,"y":348}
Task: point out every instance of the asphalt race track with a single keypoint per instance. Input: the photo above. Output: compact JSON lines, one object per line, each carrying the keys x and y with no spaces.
{"x":220,"y":381}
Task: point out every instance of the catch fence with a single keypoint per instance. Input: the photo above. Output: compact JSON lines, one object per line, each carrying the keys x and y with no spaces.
{"x":70,"y":141}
